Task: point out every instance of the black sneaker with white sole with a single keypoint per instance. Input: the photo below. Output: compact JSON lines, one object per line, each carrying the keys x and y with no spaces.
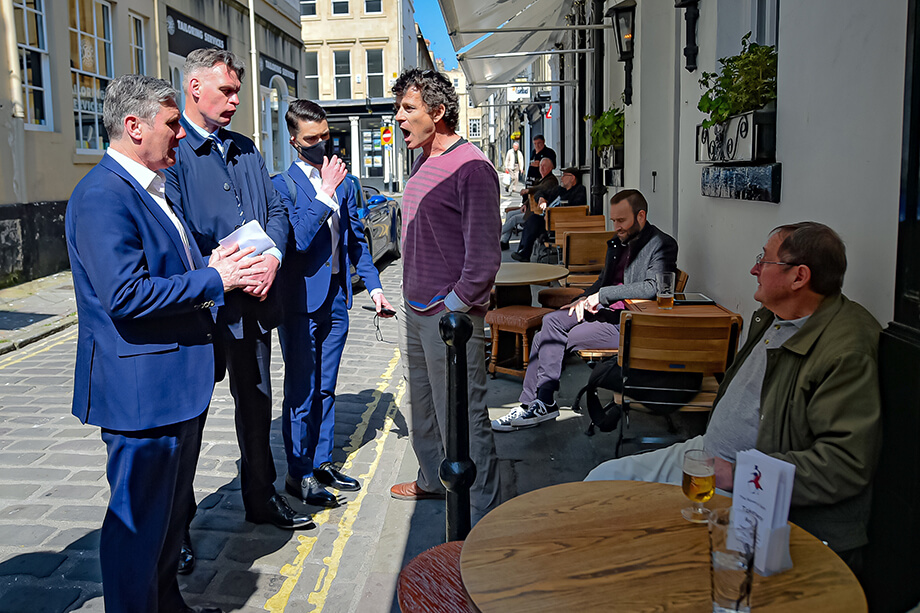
{"x":537,"y":412}
{"x":503,"y":424}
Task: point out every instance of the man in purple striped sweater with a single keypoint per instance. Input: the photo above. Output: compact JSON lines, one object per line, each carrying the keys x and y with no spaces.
{"x":451,"y":225}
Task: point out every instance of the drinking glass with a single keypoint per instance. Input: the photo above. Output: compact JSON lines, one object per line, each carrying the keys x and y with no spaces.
{"x":699,"y":483}
{"x":732,"y":539}
{"x":665,"y":290}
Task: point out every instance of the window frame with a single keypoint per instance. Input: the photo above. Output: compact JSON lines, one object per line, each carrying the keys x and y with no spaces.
{"x":469,"y":128}
{"x":336,"y":76}
{"x":309,"y":78}
{"x":78,"y":74}
{"x":305,"y":3}
{"x":369,"y":74}
{"x":367,"y":12}
{"x":138,"y":48}
{"x":336,"y":13}
{"x":39,"y":49}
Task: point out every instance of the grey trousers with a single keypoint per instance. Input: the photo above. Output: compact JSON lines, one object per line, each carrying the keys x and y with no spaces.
{"x":511,"y":220}
{"x":424,"y":357}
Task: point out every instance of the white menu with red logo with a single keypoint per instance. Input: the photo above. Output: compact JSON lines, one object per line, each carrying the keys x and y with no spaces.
{"x":763,"y":488}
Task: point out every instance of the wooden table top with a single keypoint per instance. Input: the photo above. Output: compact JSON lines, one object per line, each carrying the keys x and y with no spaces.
{"x":623,"y":545}
{"x":529,"y":273}
{"x":651,"y":306}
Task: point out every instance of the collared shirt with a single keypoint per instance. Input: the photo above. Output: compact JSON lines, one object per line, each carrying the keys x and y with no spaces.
{"x":736,"y":420}
{"x":155,"y":184}
{"x":316,"y":180}
{"x":222,"y":147}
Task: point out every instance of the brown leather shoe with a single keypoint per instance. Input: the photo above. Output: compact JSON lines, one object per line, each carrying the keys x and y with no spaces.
{"x":411,"y":491}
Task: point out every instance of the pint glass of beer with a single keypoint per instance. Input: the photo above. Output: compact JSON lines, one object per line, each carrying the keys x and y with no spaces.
{"x":699,"y":484}
{"x":665,"y":282}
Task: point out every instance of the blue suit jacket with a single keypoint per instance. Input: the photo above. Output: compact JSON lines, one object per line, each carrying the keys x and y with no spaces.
{"x":217,"y":196}
{"x":144,"y":353}
{"x":307,"y":272}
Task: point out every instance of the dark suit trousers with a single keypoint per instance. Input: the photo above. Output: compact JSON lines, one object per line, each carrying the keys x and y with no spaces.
{"x":533,"y":228}
{"x":249,"y":366}
{"x":312,"y":345}
{"x":150,"y":475}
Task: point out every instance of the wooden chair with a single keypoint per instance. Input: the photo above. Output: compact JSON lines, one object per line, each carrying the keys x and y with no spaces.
{"x":431,"y":582}
{"x":551,"y":217}
{"x":593,"y":356}
{"x":669,"y":343}
{"x":583,"y":254}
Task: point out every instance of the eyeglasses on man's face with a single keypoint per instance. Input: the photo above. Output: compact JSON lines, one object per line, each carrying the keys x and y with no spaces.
{"x":759,"y":262}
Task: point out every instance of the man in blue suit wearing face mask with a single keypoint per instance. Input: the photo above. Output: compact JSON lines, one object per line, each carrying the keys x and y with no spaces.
{"x":315,"y":287}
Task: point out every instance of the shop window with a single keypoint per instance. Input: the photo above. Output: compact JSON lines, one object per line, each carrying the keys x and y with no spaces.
{"x":91,"y":69}
{"x":33,"y":62}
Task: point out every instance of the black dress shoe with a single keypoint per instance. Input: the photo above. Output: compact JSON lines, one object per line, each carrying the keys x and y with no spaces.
{"x":186,"y":555}
{"x":278,"y":512}
{"x":520,"y":257}
{"x":310,"y":491}
{"x":330,"y":477}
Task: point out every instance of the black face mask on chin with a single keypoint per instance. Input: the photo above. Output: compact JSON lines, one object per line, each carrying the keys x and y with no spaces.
{"x":313,"y":154}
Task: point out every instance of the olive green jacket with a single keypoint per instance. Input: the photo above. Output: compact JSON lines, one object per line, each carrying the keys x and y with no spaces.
{"x":820,"y":410}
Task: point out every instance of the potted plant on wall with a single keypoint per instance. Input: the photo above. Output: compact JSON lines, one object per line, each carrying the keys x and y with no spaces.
{"x":739,"y":100}
{"x":607,"y":136}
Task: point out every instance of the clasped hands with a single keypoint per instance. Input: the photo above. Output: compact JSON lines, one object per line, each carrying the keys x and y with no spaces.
{"x":589,"y":304}
{"x":254,"y":275}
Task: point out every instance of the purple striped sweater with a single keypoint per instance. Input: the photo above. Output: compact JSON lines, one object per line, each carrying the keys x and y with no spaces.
{"x":450,"y":230}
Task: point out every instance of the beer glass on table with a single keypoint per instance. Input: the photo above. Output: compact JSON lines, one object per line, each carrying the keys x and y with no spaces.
{"x":699,"y":483}
{"x":665,"y":293}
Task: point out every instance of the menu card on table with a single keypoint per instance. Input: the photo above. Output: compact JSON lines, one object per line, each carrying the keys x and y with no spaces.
{"x":248,"y":235}
{"x":763,"y":488}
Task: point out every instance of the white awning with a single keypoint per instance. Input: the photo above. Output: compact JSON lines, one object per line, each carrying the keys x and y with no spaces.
{"x":534,"y":16}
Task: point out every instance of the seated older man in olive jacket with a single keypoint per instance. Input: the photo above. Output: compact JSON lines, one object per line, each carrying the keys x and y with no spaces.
{"x":803,"y":388}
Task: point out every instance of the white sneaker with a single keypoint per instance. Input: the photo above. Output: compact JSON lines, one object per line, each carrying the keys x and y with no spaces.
{"x":536,"y":413}
{"x":503,"y":424}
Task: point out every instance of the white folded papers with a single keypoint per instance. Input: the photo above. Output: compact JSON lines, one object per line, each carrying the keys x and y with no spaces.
{"x":248,"y":235}
{"x":763,"y":488}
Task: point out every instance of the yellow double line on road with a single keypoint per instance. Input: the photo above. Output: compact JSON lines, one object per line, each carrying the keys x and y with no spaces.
{"x":38,"y":347}
{"x":292,"y":571}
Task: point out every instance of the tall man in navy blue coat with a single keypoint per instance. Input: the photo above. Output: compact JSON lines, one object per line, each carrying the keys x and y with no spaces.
{"x":145,"y":359}
{"x":315,"y":286}
{"x":220,"y":183}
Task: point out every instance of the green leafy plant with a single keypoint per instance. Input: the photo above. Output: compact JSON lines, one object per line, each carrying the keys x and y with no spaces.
{"x":746,"y":82}
{"x":608,"y":129}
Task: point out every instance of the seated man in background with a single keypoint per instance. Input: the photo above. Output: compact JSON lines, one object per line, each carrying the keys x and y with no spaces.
{"x":571,"y":193}
{"x":803,"y":389}
{"x":634,"y":256}
{"x":515,"y":215}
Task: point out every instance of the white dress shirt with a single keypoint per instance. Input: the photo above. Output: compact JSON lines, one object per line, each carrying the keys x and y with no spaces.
{"x":316,"y":180}
{"x":155,"y":184}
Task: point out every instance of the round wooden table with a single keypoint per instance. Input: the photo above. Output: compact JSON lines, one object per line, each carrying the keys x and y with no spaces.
{"x":623,"y":546}
{"x":529,"y":273}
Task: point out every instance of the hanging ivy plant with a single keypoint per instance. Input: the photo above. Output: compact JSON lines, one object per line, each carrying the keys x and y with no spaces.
{"x":608,"y":129}
{"x":746,"y":82}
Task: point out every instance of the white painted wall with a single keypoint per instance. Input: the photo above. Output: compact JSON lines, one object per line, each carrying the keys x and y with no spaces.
{"x":839,"y":119}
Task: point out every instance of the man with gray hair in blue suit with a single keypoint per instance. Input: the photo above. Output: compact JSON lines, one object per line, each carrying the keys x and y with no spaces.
{"x":145,"y":358}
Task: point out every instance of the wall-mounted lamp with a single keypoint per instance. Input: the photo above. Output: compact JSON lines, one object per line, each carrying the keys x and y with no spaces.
{"x":691,"y":16}
{"x":624,"y":24}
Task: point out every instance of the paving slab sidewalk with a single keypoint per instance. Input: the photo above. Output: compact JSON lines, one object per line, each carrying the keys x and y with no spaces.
{"x":34,"y":310}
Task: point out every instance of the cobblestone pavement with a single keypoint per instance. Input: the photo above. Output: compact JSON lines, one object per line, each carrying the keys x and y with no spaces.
{"x":53,"y":490}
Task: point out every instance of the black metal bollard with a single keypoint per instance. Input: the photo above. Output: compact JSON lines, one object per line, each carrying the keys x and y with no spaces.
{"x":457,"y":471}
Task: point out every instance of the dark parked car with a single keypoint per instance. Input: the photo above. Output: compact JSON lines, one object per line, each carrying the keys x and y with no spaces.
{"x":382,"y":220}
